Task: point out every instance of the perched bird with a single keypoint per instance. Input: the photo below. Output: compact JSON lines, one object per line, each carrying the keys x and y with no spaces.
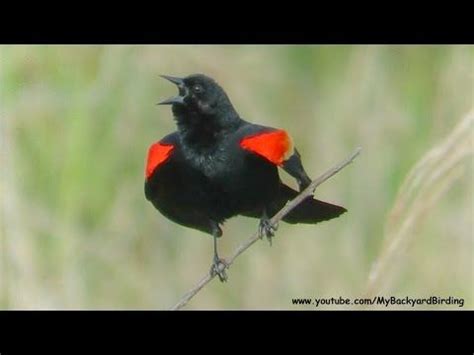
{"x":216,"y":165}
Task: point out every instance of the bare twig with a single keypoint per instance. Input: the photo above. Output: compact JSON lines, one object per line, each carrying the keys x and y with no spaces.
{"x":309,"y":191}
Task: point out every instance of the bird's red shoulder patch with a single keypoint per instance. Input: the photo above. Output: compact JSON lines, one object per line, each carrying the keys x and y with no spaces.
{"x":158,"y":153}
{"x":275,"y":146}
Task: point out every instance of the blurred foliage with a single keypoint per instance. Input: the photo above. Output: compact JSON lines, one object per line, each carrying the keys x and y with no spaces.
{"x":76,"y":122}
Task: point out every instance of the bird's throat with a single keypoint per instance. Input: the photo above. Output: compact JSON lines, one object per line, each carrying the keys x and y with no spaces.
{"x":199,"y":131}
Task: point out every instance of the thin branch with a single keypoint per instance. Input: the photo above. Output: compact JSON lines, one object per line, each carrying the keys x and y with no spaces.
{"x":309,"y":191}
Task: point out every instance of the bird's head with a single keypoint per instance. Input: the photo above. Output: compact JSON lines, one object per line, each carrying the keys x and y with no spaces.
{"x":200,"y":100}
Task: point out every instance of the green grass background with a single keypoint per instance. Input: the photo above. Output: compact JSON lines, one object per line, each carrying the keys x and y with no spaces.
{"x":76,"y":121}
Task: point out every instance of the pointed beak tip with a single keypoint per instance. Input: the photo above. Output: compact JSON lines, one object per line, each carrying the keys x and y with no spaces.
{"x":172,"y":100}
{"x":177,"y":99}
{"x":173,"y":79}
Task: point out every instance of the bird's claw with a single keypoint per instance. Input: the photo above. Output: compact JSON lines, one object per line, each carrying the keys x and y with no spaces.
{"x":265,"y":228}
{"x":218,"y":268}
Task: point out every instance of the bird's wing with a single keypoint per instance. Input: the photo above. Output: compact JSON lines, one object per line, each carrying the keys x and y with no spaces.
{"x":159,"y":153}
{"x":276,"y":146}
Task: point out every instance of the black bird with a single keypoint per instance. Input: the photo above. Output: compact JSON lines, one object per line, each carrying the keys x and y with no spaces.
{"x":217,"y":165}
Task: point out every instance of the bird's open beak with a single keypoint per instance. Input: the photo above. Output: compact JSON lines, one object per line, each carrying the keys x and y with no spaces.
{"x":172,"y":100}
{"x":177,"y":81}
{"x":175,"y":99}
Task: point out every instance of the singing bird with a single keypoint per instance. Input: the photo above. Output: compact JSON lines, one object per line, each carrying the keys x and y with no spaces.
{"x":217,"y":165}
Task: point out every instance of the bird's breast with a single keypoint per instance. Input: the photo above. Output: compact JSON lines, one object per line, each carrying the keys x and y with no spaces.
{"x":212,"y":163}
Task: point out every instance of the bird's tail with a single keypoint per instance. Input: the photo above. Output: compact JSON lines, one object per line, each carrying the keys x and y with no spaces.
{"x":310,"y":211}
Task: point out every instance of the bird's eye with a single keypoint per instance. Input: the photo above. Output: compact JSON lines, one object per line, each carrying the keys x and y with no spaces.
{"x":197,"y":89}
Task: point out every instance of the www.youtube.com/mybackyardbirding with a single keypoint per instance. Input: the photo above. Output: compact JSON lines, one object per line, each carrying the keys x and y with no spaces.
{"x":217,"y":165}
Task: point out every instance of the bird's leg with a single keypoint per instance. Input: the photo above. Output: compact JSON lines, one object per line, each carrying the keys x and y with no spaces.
{"x":266,"y":228}
{"x":218,"y":265}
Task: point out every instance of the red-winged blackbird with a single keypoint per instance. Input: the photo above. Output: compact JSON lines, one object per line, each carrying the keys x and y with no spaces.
{"x":217,"y":165}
